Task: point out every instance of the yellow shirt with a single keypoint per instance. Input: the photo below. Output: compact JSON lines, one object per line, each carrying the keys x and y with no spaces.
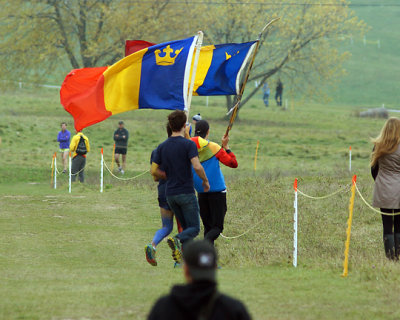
{"x":75,"y":141}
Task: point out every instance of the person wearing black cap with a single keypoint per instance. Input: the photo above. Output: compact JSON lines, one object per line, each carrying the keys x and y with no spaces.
{"x":213,"y":203}
{"x":121,"y":136}
{"x":199,"y":298}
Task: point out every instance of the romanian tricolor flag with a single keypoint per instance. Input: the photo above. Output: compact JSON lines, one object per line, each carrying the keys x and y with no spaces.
{"x":219,"y":69}
{"x":155,"y":77}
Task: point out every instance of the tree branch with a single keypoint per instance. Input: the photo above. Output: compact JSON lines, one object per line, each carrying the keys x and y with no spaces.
{"x":64,"y":40}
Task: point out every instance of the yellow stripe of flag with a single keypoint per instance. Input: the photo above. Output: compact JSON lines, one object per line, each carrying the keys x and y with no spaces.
{"x":122,"y":84}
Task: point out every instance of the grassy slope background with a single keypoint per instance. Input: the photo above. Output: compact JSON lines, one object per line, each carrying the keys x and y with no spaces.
{"x":373,"y":73}
{"x":80,"y":256}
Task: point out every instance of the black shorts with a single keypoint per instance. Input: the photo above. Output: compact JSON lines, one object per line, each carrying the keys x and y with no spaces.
{"x":162,"y":199}
{"x":121,"y":150}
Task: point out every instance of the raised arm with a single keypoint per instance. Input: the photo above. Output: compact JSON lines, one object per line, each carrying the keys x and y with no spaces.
{"x":225,"y":155}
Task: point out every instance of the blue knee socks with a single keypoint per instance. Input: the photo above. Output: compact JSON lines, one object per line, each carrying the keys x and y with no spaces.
{"x":164,"y":231}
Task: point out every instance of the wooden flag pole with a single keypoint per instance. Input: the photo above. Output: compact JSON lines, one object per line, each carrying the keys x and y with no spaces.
{"x":234,"y":110}
{"x":199,"y":42}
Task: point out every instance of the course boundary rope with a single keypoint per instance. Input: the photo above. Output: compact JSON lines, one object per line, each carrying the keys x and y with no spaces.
{"x":72,"y":174}
{"x":124,"y":179}
{"x":244,"y":233}
{"x":345,"y":188}
{"x":371,"y":207}
{"x":342,"y":189}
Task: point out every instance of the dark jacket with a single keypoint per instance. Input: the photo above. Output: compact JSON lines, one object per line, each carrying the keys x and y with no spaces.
{"x":279,"y":87}
{"x":186,"y":302}
{"x":120,"y":141}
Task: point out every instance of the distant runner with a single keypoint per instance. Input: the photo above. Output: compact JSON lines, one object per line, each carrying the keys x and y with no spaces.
{"x":63,"y":138}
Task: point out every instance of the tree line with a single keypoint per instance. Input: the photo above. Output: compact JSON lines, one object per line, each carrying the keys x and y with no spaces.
{"x":50,"y":37}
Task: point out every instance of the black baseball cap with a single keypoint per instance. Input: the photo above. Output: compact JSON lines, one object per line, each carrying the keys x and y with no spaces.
{"x":201,"y":128}
{"x":201,"y":259}
{"x":121,"y":122}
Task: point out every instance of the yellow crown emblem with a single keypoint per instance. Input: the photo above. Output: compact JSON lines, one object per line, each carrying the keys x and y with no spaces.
{"x":166,"y":60}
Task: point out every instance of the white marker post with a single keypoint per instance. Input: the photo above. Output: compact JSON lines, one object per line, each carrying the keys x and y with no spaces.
{"x":295,"y":225}
{"x":55,"y":170}
{"x":69,"y":178}
{"x":101,"y":171}
{"x":350,"y":159}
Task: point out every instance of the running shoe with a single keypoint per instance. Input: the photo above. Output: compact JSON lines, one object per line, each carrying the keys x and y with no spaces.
{"x":150,"y":254}
{"x":175,"y":245}
{"x":122,"y":171}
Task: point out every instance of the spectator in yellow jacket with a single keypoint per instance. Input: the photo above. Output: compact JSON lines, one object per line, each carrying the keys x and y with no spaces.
{"x":79,"y":147}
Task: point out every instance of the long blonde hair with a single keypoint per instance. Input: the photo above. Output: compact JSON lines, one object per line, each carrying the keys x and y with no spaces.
{"x":387,"y":141}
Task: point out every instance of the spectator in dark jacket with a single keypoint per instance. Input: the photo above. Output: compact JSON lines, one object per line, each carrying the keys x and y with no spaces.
{"x":279,"y":92}
{"x":199,"y":298}
{"x":121,"y":136}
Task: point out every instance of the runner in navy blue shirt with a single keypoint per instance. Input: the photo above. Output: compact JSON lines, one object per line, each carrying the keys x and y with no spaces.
{"x":166,"y":216}
{"x":177,"y":156}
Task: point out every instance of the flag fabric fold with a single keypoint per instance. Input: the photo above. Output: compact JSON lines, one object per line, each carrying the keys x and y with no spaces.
{"x":155,"y":77}
{"x":219,"y":69}
{"x":131,"y":46}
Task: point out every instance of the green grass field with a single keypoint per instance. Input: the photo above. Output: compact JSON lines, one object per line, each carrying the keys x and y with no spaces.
{"x":80,"y":255}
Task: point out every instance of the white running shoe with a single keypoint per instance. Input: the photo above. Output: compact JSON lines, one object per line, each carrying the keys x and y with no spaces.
{"x":122,"y":171}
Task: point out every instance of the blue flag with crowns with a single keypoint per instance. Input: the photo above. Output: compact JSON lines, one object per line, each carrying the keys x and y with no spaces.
{"x":165,"y":74}
{"x":221,"y":67}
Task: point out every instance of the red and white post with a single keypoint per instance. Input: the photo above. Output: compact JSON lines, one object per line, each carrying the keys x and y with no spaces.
{"x":101,"y":171}
{"x":69,"y":173}
{"x":350,"y":158}
{"x":295,"y":225}
{"x":55,"y":170}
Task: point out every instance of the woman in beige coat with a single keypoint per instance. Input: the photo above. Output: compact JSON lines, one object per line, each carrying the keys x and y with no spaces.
{"x":385,"y":168}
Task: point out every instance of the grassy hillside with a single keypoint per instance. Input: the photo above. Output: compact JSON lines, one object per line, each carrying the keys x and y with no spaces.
{"x":80,"y":255}
{"x":373,"y":72}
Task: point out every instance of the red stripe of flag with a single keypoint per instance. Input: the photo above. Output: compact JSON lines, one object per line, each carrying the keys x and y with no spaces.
{"x":131,"y":46}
